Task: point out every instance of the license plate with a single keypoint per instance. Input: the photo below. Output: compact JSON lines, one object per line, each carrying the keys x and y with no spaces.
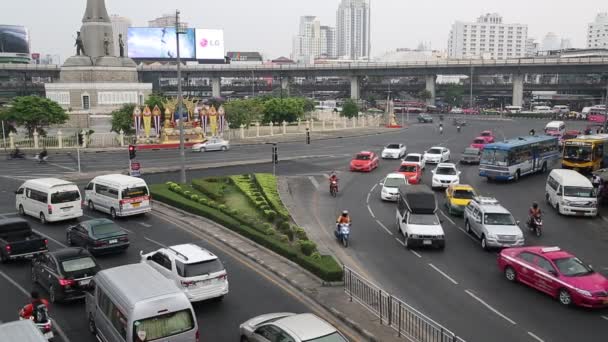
{"x":66,"y":209}
{"x":135,"y":205}
{"x":84,"y":282}
{"x":49,"y":335}
{"x":113,"y":241}
{"x":427,"y":242}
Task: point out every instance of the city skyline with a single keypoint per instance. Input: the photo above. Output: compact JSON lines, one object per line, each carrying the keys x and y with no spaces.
{"x":392,"y":23}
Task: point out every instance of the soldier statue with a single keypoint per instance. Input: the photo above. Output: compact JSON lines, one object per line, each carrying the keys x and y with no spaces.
{"x":79,"y":45}
{"x":121,"y":45}
{"x":106,"y":44}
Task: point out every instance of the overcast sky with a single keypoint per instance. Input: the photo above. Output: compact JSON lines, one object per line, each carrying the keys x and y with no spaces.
{"x":269,"y":25}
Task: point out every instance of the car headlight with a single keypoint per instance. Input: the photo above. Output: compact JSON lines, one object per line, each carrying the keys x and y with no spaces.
{"x":584,"y":292}
{"x":566,"y":202}
{"x":491,"y":236}
{"x":414,"y":236}
{"x":436,"y":180}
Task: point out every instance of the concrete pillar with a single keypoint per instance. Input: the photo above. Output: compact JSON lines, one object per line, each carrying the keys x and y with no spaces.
{"x":284,"y":127}
{"x":271,"y":128}
{"x":36,"y":143}
{"x":11,"y":140}
{"x":242,"y":131}
{"x":354,"y":120}
{"x":344,"y":122}
{"x":60,"y":139}
{"x":323,"y":124}
{"x":216,"y":90}
{"x":430,"y":86}
{"x":122,"y":138}
{"x":299,"y":123}
{"x":354,"y":87}
{"x":334,"y":123}
{"x":518,"y":90}
{"x":285,"y":84}
{"x":257,"y":129}
{"x":84,"y":138}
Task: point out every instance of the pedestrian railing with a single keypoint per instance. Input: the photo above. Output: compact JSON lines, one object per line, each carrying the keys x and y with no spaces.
{"x":393,"y":312}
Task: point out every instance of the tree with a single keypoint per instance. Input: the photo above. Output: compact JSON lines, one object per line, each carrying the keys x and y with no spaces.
{"x":243,"y":112}
{"x":350,"y":108}
{"x":424,"y":95}
{"x":157,"y":100}
{"x":453,"y":95}
{"x":122,"y":119}
{"x":34,"y":113}
{"x":309,"y":104}
{"x":286,"y":109}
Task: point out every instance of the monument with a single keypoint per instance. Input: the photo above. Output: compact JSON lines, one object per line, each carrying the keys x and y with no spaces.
{"x":96,"y":80}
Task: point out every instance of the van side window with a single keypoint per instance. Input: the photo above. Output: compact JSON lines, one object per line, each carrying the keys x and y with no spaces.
{"x":101,"y":189}
{"x":112,"y":313}
{"x":90,"y":186}
{"x":112,"y":193}
{"x":552,"y":183}
{"x":36,"y":195}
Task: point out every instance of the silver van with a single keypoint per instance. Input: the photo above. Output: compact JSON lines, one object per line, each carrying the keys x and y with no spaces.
{"x":137,"y":303}
{"x":22,"y":331}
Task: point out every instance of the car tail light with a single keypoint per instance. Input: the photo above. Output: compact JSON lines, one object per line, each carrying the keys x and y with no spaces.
{"x":46,"y":241}
{"x":187,"y":283}
{"x":99,"y":243}
{"x":66,"y":282}
{"x":124,"y":238}
{"x":8,"y":249}
{"x":50,"y":209}
{"x":223,"y":277}
{"x":198,"y":336}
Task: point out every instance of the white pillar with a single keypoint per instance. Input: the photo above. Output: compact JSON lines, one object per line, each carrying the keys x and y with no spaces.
{"x":344,"y":122}
{"x":242,"y":131}
{"x":216,"y":90}
{"x":121,"y":137}
{"x":11,"y":140}
{"x":84,"y":138}
{"x":518,"y":90}
{"x":430,"y":86}
{"x":284,"y":127}
{"x":271,"y":128}
{"x":334,"y":123}
{"x":323,"y":124}
{"x":36,"y":139}
{"x":59,"y":139}
{"x":257,"y":129}
{"x":354,"y":87}
{"x":308,"y":124}
{"x":354,"y":121}
{"x":299,"y":123}
{"x":285,"y":84}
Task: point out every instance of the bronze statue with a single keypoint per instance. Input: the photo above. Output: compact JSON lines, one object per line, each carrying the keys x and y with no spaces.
{"x":121,"y":45}
{"x":79,"y":45}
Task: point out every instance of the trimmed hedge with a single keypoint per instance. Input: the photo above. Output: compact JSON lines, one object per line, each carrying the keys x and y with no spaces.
{"x":268,"y":185}
{"x":211,"y":187}
{"x":530,"y":115}
{"x":324,"y":267}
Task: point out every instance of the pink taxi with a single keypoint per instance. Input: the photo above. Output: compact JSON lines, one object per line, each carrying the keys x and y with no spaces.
{"x":488,"y":135}
{"x":479,"y":143}
{"x":556,"y":273}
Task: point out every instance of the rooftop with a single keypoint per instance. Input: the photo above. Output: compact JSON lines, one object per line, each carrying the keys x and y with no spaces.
{"x":306,"y":326}
{"x":191,"y":253}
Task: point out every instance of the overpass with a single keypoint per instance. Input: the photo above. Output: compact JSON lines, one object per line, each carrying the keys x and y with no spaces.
{"x":355,"y":71}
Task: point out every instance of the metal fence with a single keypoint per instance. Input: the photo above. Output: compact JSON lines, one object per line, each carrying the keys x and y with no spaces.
{"x":407,"y":321}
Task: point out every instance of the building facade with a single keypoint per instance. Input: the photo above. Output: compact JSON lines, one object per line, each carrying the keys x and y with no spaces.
{"x":166,"y":20}
{"x":353,"y":29}
{"x":597,"y":32}
{"x":487,"y":37}
{"x":120,"y":26}
{"x":551,"y":42}
{"x":313,"y":41}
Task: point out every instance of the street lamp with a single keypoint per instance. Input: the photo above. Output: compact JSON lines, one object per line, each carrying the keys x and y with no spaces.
{"x":180,"y":29}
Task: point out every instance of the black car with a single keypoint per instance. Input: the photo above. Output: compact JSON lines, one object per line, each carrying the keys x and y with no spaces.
{"x":425,"y":118}
{"x":66,"y":273}
{"x":98,"y":236}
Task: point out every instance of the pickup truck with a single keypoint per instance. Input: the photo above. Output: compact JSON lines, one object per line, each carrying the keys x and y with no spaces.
{"x":17,"y":240}
{"x":417,"y":217}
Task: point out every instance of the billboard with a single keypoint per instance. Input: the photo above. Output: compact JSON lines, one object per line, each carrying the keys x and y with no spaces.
{"x":14,"y":41}
{"x":159,"y":43}
{"x":209,"y":44}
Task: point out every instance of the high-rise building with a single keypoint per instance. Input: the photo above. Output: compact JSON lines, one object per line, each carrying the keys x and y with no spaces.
{"x":597,"y":32}
{"x":487,"y":37}
{"x":565,"y":44}
{"x":166,"y":20}
{"x":328,"y":42}
{"x":531,"y":47}
{"x":551,"y":42}
{"x":353,"y":29}
{"x":313,"y":41}
{"x":120,"y":25}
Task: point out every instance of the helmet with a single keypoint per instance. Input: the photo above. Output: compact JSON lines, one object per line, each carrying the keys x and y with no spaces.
{"x":344,"y":212}
{"x":35,"y":294}
{"x":535,"y":205}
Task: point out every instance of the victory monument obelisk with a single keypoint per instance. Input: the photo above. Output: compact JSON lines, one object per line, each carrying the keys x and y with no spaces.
{"x":96,"y":80}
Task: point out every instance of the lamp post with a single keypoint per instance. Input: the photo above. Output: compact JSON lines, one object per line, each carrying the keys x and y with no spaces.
{"x":606,"y":108}
{"x":180,"y":29}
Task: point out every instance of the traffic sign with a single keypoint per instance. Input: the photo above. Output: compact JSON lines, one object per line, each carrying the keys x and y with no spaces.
{"x":135,"y":170}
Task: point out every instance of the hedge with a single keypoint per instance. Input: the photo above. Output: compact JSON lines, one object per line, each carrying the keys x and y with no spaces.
{"x":325,"y":267}
{"x":212,"y":189}
{"x":249,"y":189}
{"x":268,"y":185}
{"x":531,"y":115}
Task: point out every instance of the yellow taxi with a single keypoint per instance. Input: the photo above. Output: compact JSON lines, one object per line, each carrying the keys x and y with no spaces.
{"x":458,"y":197}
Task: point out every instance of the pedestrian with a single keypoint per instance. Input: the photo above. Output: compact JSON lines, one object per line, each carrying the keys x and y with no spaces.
{"x":596,"y":181}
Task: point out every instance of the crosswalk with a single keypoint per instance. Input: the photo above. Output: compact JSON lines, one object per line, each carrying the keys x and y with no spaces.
{"x":25,"y":169}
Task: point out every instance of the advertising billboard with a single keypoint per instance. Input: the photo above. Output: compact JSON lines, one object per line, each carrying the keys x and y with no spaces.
{"x":14,"y":43}
{"x":159,"y":43}
{"x":209,"y":44}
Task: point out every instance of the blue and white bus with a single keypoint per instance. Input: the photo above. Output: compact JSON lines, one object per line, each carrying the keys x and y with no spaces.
{"x":513,"y":158}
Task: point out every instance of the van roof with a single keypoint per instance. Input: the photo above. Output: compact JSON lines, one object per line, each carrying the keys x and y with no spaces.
{"x":572,"y":177}
{"x":127,"y":280}
{"x":420,"y":199}
{"x":551,"y":123}
{"x":23,"y":330}
{"x":120,"y":179}
{"x":48,"y":182}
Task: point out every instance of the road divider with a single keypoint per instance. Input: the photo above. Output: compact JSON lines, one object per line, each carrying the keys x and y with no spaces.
{"x":444,"y":274}
{"x":490,"y":307}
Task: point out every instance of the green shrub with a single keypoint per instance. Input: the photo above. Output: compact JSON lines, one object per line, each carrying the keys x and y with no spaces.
{"x":259,"y":203}
{"x":222,"y":207}
{"x":194,"y":197}
{"x":212,"y":204}
{"x":270,"y":214}
{"x":188,"y":193}
{"x":233,"y":212}
{"x":266,"y":225}
{"x":307,"y":247}
{"x":203,"y":200}
{"x":211,"y":189}
{"x":264,"y":207}
{"x":257,"y":194}
{"x":300,"y":233}
{"x":290,"y":234}
{"x":258,"y":198}
{"x":169,"y":184}
{"x":284,"y":238}
{"x":315,"y":256}
{"x":270,"y":231}
{"x":267,"y":183}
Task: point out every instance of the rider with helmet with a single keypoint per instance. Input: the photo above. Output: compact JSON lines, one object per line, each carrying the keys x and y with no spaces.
{"x":333,"y":177}
{"x":36,"y":308}
{"x":534,"y":211}
{"x":343,"y":219}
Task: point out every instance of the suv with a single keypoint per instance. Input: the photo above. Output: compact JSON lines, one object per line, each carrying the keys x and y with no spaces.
{"x":197,"y":272}
{"x":492,"y":223}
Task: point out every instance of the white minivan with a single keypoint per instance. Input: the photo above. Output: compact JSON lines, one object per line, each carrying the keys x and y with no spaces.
{"x":555,"y":127}
{"x":49,"y":199}
{"x":571,"y":193}
{"x":118,"y":195}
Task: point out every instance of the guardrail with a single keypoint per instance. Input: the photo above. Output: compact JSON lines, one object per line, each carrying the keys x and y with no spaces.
{"x":407,"y":321}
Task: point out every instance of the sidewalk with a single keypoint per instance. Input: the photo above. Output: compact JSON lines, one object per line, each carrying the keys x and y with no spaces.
{"x":330,"y":297}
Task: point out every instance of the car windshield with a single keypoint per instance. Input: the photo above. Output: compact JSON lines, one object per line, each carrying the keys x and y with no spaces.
{"x":486,"y":134}
{"x":577,"y":153}
{"x":135,"y":192}
{"x":393,"y":147}
{"x":163,"y":326}
{"x":448,"y":171}
{"x":65,"y":196}
{"x":394,"y":182}
{"x":464,"y":194}
{"x":494,"y":157}
{"x":362,"y":157}
{"x":333,"y":337}
{"x":497,"y":219}
{"x":473,"y":151}
{"x":105,"y":229}
{"x":425,"y":220}
{"x":434,"y":151}
{"x":579,"y":191}
{"x":407,"y":168}
{"x":572,"y":267}
{"x":412,"y":158}
{"x":199,"y":268}
{"x":479,"y":141}
{"x":79,"y":264}
{"x":551,"y":129}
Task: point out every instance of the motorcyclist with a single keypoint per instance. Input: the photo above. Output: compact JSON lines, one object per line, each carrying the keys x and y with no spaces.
{"x":42,"y":155}
{"x":333,"y":177}
{"x":458,"y":128}
{"x":16,"y":153}
{"x":31,"y":309}
{"x":534,"y":212}
{"x":532,"y":132}
{"x":342,"y":219}
{"x":596,"y":181}
{"x":440,"y":128}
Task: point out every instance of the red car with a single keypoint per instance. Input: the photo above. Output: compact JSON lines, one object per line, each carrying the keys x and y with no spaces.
{"x":479,"y":143}
{"x":470,"y":111}
{"x":411,"y":171}
{"x":488,"y":135}
{"x":571,"y":134}
{"x":364,"y":161}
{"x":557,"y":273}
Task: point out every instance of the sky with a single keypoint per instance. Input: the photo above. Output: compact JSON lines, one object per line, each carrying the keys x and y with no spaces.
{"x":268,"y":26}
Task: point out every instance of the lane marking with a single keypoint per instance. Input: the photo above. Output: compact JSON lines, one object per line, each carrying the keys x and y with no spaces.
{"x":374,"y":187}
{"x":50,"y":238}
{"x":314,"y":182}
{"x":383,"y":226}
{"x":403,"y":244}
{"x":21,"y":289}
{"x":370,"y":211}
{"x":63,"y":167}
{"x":155,"y":242}
{"x":447,"y":217}
{"x":367,"y":200}
{"x":490,"y":307}
{"x":144,"y":224}
{"x":458,"y":227}
{"x":535,"y":337}
{"x":444,"y":274}
{"x":400,"y":242}
{"x":605,"y":317}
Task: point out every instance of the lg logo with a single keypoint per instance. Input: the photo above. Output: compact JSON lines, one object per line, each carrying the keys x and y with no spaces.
{"x":204,"y":42}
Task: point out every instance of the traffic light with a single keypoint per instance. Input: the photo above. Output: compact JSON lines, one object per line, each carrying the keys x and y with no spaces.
{"x":275,"y":154}
{"x":131,"y":151}
{"x":308,"y":136}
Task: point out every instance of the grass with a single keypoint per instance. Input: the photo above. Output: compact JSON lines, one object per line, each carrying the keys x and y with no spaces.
{"x":234,"y":199}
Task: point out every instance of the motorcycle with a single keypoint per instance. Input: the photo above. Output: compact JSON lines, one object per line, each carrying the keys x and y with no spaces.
{"x":333,"y":188}
{"x":45,"y":326}
{"x":42,"y":159}
{"x":458,"y":128}
{"x":343,"y":233}
{"x":535,"y":224}
{"x":15,"y":155}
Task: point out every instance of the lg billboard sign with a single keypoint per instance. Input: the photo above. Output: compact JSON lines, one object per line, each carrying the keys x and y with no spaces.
{"x":209,"y":44}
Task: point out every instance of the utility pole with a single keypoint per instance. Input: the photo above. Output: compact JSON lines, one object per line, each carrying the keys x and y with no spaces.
{"x":471,"y":89}
{"x":182,"y":150}
{"x":606,"y":108}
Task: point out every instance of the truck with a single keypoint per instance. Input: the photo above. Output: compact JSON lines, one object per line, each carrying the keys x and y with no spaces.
{"x":17,"y":240}
{"x":417,"y":217}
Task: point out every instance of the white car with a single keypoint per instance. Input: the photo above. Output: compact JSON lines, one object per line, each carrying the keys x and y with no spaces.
{"x":456,"y":111}
{"x":196,"y":271}
{"x":394,"y":151}
{"x":289,"y":327}
{"x":444,"y":175}
{"x":436,"y":155}
{"x":213,"y":144}
{"x":390,"y":186}
{"x":415,"y":158}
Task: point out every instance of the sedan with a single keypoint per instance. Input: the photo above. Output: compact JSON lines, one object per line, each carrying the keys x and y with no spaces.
{"x":479,"y":142}
{"x":444,"y":175}
{"x":415,"y":158}
{"x":437,"y":155}
{"x":213,"y":144}
{"x":292,"y":327}
{"x":488,"y":135}
{"x":557,"y":273}
{"x":425,"y":118}
{"x":394,"y":151}
{"x":390,"y":186}
{"x":66,"y":273}
{"x":411,"y":171}
{"x":98,"y":236}
{"x":364,"y":161}
{"x":471,"y":155}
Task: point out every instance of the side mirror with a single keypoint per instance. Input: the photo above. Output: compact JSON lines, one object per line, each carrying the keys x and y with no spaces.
{"x":440,"y":221}
{"x":432,"y":171}
{"x":517,"y":222}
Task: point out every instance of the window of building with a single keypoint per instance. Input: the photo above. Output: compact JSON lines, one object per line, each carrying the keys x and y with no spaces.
{"x":86,"y":102}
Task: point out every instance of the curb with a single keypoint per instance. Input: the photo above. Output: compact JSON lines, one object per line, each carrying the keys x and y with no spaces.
{"x":368,"y":336}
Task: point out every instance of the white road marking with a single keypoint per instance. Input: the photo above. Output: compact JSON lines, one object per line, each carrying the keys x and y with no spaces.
{"x":400,"y":242}
{"x":383,"y":226}
{"x":605,"y":317}
{"x":371,"y":212}
{"x":458,"y":227}
{"x":56,"y":325}
{"x":535,"y":337}
{"x":367,"y":200}
{"x":416,"y":253}
{"x":374,"y":187}
{"x":64,"y":167}
{"x":447,"y":217}
{"x":144,"y":224}
{"x":50,"y":239}
{"x":155,"y":242}
{"x":444,"y":274}
{"x":489,"y":307}
{"x":314,"y":182}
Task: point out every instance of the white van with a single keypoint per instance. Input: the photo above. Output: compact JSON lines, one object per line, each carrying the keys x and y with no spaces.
{"x":541,"y":109}
{"x":118,"y":195}
{"x":571,"y":193}
{"x":555,"y":127}
{"x":560,"y":109}
{"x":49,"y":199}
{"x":136,"y":303}
{"x":513,"y":109}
